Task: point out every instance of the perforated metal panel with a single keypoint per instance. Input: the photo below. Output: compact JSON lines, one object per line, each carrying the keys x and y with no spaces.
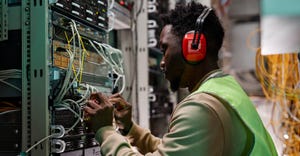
{"x":35,"y":113}
{"x":3,"y":20}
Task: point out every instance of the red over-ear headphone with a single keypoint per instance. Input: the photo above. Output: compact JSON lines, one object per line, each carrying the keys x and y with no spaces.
{"x":194,"y":42}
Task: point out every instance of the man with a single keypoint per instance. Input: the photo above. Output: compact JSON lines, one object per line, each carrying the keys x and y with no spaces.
{"x":217,"y":118}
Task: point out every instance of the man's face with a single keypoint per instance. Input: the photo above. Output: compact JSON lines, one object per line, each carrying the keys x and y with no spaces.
{"x":172,"y":63}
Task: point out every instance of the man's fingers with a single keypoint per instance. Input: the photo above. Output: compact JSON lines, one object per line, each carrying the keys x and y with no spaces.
{"x":118,"y":106}
{"x":102,"y":97}
{"x":93,"y":104}
{"x":115,"y":95}
{"x":99,"y":97}
{"x":116,"y":100}
{"x":95,"y":96}
{"x":89,"y":110}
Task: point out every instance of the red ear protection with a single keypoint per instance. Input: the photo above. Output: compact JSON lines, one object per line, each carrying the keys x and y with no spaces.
{"x":194,"y":42}
{"x":193,"y":55}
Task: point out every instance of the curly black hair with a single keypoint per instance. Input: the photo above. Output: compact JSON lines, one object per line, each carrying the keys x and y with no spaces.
{"x":183,"y":19}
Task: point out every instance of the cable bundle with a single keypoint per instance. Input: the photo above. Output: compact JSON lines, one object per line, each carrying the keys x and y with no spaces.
{"x":76,"y":54}
{"x":6,"y":106}
{"x":279,"y":76}
{"x":114,"y":59}
{"x":10,"y":74}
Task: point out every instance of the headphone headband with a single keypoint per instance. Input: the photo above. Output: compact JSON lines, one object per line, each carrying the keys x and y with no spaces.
{"x":199,"y":25}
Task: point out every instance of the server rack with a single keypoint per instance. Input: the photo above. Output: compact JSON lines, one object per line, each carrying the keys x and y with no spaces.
{"x":27,"y":41}
{"x":29,"y":45}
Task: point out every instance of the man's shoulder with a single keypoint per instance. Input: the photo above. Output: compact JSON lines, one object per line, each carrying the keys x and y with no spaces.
{"x":195,"y":110}
{"x":200,"y":102}
{"x":208,"y":103}
{"x":199,"y":97}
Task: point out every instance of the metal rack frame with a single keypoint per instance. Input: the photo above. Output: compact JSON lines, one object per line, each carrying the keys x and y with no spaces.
{"x":35,"y":78}
{"x":35,"y":73}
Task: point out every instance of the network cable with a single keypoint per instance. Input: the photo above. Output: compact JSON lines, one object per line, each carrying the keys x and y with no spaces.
{"x":106,"y":52}
{"x":10,"y":74}
{"x":279,"y":76}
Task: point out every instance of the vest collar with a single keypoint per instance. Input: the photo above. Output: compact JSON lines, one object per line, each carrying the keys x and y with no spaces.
{"x":211,"y":74}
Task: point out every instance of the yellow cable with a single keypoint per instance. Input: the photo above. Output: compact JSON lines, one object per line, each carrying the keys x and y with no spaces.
{"x":82,"y":58}
{"x":81,"y":68}
{"x":249,"y":37}
{"x":69,"y":47}
{"x":279,"y":78}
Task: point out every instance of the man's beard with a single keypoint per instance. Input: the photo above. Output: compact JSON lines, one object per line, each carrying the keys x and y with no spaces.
{"x":175,"y":84}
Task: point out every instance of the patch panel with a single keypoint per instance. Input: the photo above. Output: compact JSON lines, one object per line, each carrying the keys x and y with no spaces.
{"x":77,"y":68}
{"x":92,"y":13}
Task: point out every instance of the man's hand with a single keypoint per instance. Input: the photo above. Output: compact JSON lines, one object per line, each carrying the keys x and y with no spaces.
{"x":122,"y":113}
{"x":100,"y":112}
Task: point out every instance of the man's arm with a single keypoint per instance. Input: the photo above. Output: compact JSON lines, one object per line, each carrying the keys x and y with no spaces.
{"x":194,"y":129}
{"x":143,"y":139}
{"x":113,"y":143}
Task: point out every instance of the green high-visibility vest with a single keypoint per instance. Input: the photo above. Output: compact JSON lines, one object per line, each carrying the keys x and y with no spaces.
{"x":226,"y":88}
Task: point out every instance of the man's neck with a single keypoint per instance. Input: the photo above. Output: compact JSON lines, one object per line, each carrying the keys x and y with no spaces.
{"x":196,"y":78}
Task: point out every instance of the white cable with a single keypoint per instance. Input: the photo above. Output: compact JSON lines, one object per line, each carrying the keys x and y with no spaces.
{"x":71,"y":128}
{"x":11,"y":74}
{"x":68,"y":82}
{"x":79,"y":46}
{"x":69,"y":70}
{"x":116,"y":68}
{"x":113,"y":17}
{"x":120,"y":68}
{"x":112,"y":51}
{"x":75,"y":103}
{"x":123,"y":85}
{"x":9,"y":111}
{"x":10,"y":71}
{"x":104,"y":57}
{"x":65,"y":105}
{"x":80,"y":50}
{"x":78,"y":115}
{"x":39,"y":142}
{"x":67,"y":78}
{"x":89,"y":89}
{"x":111,"y":4}
{"x":100,"y":53}
{"x":67,"y":85}
{"x":94,"y":89}
{"x":86,"y":94}
{"x":11,"y":85}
